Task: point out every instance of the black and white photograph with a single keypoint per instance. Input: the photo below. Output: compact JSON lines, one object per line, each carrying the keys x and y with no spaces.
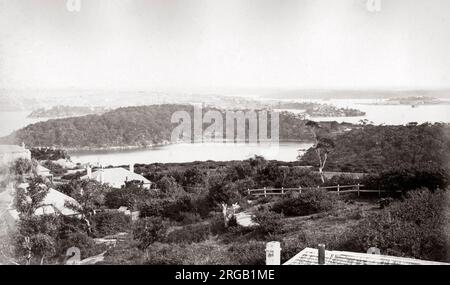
{"x":224,"y":132}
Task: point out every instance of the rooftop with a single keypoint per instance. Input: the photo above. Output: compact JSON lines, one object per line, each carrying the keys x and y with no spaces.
{"x":309,"y":256}
{"x":116,"y":176}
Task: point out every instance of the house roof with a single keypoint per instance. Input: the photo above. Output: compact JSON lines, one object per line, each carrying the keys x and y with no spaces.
{"x":54,"y":202}
{"x":116,"y":176}
{"x":309,"y":256}
{"x":40,"y":169}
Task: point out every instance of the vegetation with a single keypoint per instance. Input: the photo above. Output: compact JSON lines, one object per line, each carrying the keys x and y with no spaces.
{"x":132,"y":126}
{"x":306,"y":203}
{"x":373,"y":149}
{"x":46,"y":153}
{"x":415,"y":227}
{"x":181,"y":222}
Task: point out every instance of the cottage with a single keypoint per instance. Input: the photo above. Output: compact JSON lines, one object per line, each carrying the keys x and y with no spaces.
{"x":44,"y":172}
{"x":116,"y":177}
{"x":53,"y":203}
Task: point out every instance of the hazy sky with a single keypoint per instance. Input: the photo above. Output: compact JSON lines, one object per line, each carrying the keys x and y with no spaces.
{"x":211,"y":44}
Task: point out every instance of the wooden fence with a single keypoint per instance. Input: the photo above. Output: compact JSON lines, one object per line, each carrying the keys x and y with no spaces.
{"x":338,"y":189}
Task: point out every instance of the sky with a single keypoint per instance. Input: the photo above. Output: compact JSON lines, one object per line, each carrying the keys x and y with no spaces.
{"x":213,"y":44}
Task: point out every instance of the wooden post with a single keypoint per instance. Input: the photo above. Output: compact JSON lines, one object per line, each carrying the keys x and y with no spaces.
{"x":338,"y":189}
{"x":282,"y":190}
{"x":357,"y":187}
{"x":265,"y":192}
{"x":248,"y":191}
{"x":273,"y":253}
{"x":300,"y":189}
{"x":321,"y":254}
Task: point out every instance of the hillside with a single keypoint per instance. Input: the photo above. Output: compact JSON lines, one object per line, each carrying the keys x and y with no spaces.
{"x":377,"y":148}
{"x":131,"y":126}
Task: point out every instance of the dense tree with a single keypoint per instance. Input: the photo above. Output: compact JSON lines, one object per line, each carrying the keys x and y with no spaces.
{"x":90,"y":196}
{"x":378,"y":148}
{"x":35,"y":236}
{"x":148,"y":230}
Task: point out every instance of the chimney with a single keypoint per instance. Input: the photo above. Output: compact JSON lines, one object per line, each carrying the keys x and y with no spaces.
{"x":132,"y":167}
{"x":273,"y":253}
{"x":89,"y":171}
{"x":321,"y":254}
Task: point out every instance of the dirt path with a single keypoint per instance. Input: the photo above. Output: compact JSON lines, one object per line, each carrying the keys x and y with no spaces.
{"x":244,"y":219}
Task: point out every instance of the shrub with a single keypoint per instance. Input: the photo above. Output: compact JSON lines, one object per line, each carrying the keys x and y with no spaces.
{"x":217,"y":224}
{"x":108,"y":223}
{"x":167,"y":208}
{"x":81,"y":240}
{"x":203,"y":253}
{"x":250,"y":253}
{"x":189,"y":234}
{"x":408,"y":178}
{"x":232,"y":222}
{"x":306,"y":203}
{"x":269,"y":223}
{"x":125,"y":253}
{"x":190,"y":218}
{"x":413,"y":228}
{"x":148,"y":230}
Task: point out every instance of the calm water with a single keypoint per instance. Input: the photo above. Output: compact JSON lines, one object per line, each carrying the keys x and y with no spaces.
{"x":193,"y":152}
{"x":12,"y":121}
{"x":378,"y":114}
{"x":387,"y":114}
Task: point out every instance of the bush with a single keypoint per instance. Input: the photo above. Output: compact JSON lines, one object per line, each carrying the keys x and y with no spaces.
{"x":194,"y":254}
{"x":190,"y":218}
{"x":408,"y":178}
{"x":148,"y":230}
{"x":81,"y":240}
{"x":109,"y":223}
{"x":251,"y":253}
{"x":217,"y":225}
{"x":306,"y":203}
{"x":125,"y":253}
{"x":167,"y":208}
{"x":269,"y":223}
{"x":189,"y":234}
{"x":413,"y":228}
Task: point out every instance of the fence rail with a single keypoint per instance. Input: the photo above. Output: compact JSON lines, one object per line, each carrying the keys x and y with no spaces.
{"x":338,"y":189}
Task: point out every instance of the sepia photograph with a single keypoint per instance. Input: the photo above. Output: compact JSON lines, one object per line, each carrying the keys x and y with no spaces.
{"x":224,"y":132}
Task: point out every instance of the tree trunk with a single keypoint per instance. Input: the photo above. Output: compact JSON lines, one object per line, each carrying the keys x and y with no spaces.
{"x":321,"y":174}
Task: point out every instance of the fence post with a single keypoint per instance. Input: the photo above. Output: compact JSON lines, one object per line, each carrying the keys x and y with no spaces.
{"x":282,"y":190}
{"x":265,"y":192}
{"x":358,"y":189}
{"x":379,"y":192}
{"x":248,"y":191}
{"x":300,"y":187}
{"x":338,"y":189}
